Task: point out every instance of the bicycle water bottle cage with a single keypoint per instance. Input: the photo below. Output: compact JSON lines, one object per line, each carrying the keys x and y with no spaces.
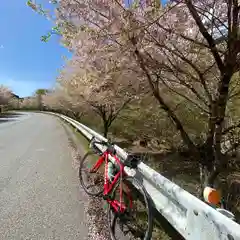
{"x":132,"y":161}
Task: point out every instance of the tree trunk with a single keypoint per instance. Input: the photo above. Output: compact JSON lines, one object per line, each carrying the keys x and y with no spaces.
{"x":106,"y":128}
{"x":207,"y":167}
{"x":208,"y":175}
{"x":40,"y":102}
{"x":205,"y":178}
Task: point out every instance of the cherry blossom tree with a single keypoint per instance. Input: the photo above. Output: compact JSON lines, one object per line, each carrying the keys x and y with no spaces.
{"x":5,"y":96}
{"x":60,"y":101}
{"x":29,"y":103}
{"x":187,"y":51}
{"x":39,"y":93}
{"x":97,"y":83}
{"x":194,"y":65}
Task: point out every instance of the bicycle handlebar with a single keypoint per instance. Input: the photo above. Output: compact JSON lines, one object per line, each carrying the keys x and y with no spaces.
{"x":109,"y":145}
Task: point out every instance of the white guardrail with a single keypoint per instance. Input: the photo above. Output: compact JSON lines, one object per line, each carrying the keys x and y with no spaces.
{"x":191,"y":217}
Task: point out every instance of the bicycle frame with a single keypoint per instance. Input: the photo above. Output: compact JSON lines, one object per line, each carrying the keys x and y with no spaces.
{"x":108,"y":186}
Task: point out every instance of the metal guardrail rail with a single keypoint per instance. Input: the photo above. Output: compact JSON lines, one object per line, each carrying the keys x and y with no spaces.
{"x":191,"y":217}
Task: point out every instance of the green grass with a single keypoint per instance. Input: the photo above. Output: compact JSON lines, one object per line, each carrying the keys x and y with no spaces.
{"x":83,"y":141}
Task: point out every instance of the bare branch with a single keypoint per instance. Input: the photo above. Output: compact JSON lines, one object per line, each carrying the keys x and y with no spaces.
{"x":182,"y":36}
{"x":163,"y":104}
{"x":185,"y":97}
{"x":206,"y":35}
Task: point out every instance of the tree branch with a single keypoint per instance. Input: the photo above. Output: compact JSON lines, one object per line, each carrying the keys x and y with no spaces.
{"x":184,"y":83}
{"x":119,"y":109}
{"x":162,"y":103}
{"x":182,"y":36}
{"x":185,"y":97}
{"x":206,"y":35}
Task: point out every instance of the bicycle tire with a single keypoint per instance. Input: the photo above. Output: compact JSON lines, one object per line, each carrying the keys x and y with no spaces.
{"x":112,"y":222}
{"x":81,"y":178}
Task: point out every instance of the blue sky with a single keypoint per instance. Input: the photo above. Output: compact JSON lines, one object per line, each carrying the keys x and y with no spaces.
{"x":26,"y":63}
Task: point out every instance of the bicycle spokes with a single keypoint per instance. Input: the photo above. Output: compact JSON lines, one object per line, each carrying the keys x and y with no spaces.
{"x":90,"y":176}
{"x":127,"y":225}
{"x":134,"y":221}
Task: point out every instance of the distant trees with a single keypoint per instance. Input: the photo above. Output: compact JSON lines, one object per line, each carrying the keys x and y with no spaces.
{"x":8,"y":100}
{"x":5,"y":96}
{"x":29,"y":103}
{"x":39,"y":94}
{"x":59,"y":100}
{"x":14,"y":102}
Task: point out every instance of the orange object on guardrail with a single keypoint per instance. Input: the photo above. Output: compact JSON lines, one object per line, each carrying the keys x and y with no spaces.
{"x":211,"y":195}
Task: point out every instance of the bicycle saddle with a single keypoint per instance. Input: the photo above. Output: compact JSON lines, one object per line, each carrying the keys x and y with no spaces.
{"x":132,"y":161}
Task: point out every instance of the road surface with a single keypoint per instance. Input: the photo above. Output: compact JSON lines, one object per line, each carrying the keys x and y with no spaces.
{"x":39,"y":189}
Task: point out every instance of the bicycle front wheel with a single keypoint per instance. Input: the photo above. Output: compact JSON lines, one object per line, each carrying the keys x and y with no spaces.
{"x":92,"y":182}
{"x":137,"y":221}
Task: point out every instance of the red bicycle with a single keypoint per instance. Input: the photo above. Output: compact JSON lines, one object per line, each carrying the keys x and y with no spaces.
{"x":124,"y":194}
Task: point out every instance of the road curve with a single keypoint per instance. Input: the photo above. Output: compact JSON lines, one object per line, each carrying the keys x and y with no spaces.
{"x":39,"y":189}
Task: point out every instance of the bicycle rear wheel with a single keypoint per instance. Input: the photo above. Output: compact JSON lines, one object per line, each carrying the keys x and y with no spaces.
{"x":92,"y":182}
{"x":134,"y":223}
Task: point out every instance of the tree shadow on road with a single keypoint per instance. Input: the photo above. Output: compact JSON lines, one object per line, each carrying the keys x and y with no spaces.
{"x":10,"y":115}
{"x":6,"y":120}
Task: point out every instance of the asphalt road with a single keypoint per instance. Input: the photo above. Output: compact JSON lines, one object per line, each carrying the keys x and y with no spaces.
{"x":39,"y":189}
